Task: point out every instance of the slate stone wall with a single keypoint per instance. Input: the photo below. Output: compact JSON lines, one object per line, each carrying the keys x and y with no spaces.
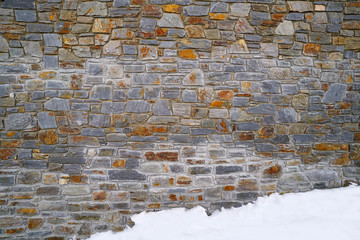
{"x":109,"y":108}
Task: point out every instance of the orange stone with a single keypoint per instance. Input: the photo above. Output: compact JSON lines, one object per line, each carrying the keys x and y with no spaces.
{"x":47,"y":75}
{"x":229,"y":188}
{"x":171,"y":8}
{"x":244,"y":136}
{"x":172,"y":197}
{"x":311,"y":49}
{"x":14,"y":230}
{"x":69,"y":130}
{"x":26,"y":211}
{"x":99,"y":196}
{"x":344,"y":160}
{"x":266,"y":132}
{"x":217,"y":104}
{"x":226,"y":95}
{"x":7,"y":153}
{"x":247,"y":185}
{"x":195,"y":31}
{"x":272,"y":172}
{"x":158,"y":129}
{"x":141,"y":131}
{"x":217,"y":16}
{"x":80,"y":179}
{"x":119,"y":163}
{"x":352,"y":25}
{"x":154,"y":205}
{"x":34,"y":223}
{"x":48,"y":137}
{"x":184,"y":180}
{"x":194,"y":20}
{"x":187,"y":54}
{"x":357,"y":137}
{"x":327,"y":147}
{"x":278,"y":17}
{"x":161,"y":32}
{"x":11,"y":143}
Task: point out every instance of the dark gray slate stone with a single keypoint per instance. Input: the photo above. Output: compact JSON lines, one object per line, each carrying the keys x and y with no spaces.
{"x":148,"y":24}
{"x":280,"y":139}
{"x":51,"y":61}
{"x":130,"y":175}
{"x":248,"y":126}
{"x":240,"y":102}
{"x":4,"y":90}
{"x":294,"y":182}
{"x":335,"y":93}
{"x":137,"y":106}
{"x":286,"y":115}
{"x":228,"y":169}
{"x":57,"y":104}
{"x":247,"y":196}
{"x":25,"y":15}
{"x":46,"y":120}
{"x":39,"y":27}
{"x":68,"y":160}
{"x":334,"y":7}
{"x":270,"y":86}
{"x":19,"y":4}
{"x":189,"y":96}
{"x":262,"y":109}
{"x":129,"y":49}
{"x":302,"y":138}
{"x":121,"y":3}
{"x":6,"y":181}
{"x":19,"y":121}
{"x":12,"y":68}
{"x":98,"y":120}
{"x":199,"y":170}
{"x":48,"y":191}
{"x":295,"y":16}
{"x":94,"y":132}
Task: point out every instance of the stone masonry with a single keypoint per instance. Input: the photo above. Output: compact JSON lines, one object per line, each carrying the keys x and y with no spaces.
{"x":113,"y":107}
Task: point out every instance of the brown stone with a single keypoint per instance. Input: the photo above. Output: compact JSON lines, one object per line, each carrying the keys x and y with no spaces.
{"x":84,"y":141}
{"x":103,"y":25}
{"x":229,"y":188}
{"x":272,"y":172}
{"x":99,"y":196}
{"x":218,"y":16}
{"x":311,"y":49}
{"x":47,"y":75}
{"x":183,"y":181}
{"x":7,"y":153}
{"x":69,"y":130}
{"x":327,"y":147}
{"x":119,"y":163}
{"x":195,"y":31}
{"x":247,"y":185}
{"x":48,"y":137}
{"x":11,"y":143}
{"x":225,"y":94}
{"x":171,"y":8}
{"x":141,"y":131}
{"x":344,"y":160}
{"x":188,"y":54}
{"x":151,"y":11}
{"x":35,"y":223}
{"x":79,"y":179}
{"x":27,"y":211}
{"x":14,"y":230}
{"x":162,"y":156}
{"x":266,"y":132}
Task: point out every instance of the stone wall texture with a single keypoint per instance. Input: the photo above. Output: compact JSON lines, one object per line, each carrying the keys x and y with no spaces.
{"x":113,"y":107}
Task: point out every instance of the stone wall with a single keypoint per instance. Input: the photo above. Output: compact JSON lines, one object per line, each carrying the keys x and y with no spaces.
{"x":109,"y":108}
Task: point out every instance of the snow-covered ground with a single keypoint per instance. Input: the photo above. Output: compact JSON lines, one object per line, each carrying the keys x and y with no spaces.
{"x":317,"y":215}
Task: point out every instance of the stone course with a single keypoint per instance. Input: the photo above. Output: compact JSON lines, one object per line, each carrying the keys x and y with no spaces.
{"x":113,"y":107}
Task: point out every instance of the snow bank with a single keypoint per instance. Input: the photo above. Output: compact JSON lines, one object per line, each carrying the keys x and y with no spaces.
{"x":320,"y":214}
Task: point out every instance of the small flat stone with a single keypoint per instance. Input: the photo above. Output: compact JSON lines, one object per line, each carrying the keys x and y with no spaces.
{"x":19,"y":4}
{"x":138,"y":106}
{"x":25,"y":15}
{"x":46,"y":120}
{"x":57,"y":104}
{"x":94,"y":8}
{"x":53,"y":40}
{"x":170,"y":20}
{"x":335,"y":93}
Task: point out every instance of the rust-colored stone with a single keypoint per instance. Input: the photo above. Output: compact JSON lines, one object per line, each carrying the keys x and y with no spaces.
{"x":162,"y":156}
{"x":69,"y":130}
{"x":327,"y":147}
{"x":217,"y":104}
{"x":151,"y":11}
{"x":158,"y":129}
{"x":119,"y":163}
{"x":48,"y":137}
{"x":247,"y":185}
{"x":27,"y":211}
{"x":7,"y":153}
{"x":103,"y":25}
{"x":188,"y":54}
{"x":161,"y":32}
{"x":311,"y":49}
{"x":226,"y":94}
{"x":278,"y":17}
{"x":344,"y":160}
{"x":99,"y":196}
{"x":183,"y":180}
{"x":266,"y":132}
{"x":173,"y":197}
{"x":79,"y":179}
{"x":11,"y":143}
{"x":246,"y":136}
{"x":141,"y":131}
{"x":272,"y":172}
{"x":14,"y":230}
{"x":351,"y":25}
{"x":154,"y":205}
{"x":47,"y":75}
{"x":35,"y":223}
{"x":218,"y":16}
{"x":195,"y":20}
{"x":171,"y":8}
{"x":229,"y":188}
{"x":195,"y":31}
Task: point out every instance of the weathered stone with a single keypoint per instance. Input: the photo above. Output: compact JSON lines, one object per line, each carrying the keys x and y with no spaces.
{"x":74,"y":190}
{"x":113,"y":47}
{"x":240,"y":9}
{"x":294,"y":182}
{"x":98,"y":120}
{"x":196,"y":78}
{"x":53,"y":40}
{"x":32,"y":48}
{"x":195,"y":11}
{"x":285,"y":28}
{"x":19,"y":121}
{"x":270,"y":86}
{"x":286,"y":115}
{"x":138,"y":106}
{"x":101,"y":92}
{"x":195,"y":44}
{"x":57,"y":104}
{"x":335,"y":93}
{"x":162,"y":108}
{"x":46,"y":120}
{"x":243,"y":26}
{"x":48,"y":191}
{"x":129,"y":175}
{"x":262,"y":109}
{"x":238,"y":47}
{"x":269,"y":49}
{"x":148,"y":52}
{"x":28,"y":177}
{"x":103,"y":25}
{"x":19,"y":4}
{"x":84,"y":141}
{"x":39,"y":28}
{"x":322,"y":175}
{"x":92,"y":9}
{"x":4,"y":182}
{"x":300,"y":6}
{"x":170,"y":20}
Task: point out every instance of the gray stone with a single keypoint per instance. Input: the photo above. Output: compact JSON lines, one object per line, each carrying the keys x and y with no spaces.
{"x":302,"y":138}
{"x":239,"y":115}
{"x":269,"y":49}
{"x":268,"y":120}
{"x":28,"y":177}
{"x":248,"y":126}
{"x":113,"y":47}
{"x":148,"y":24}
{"x":289,"y":89}
{"x":351,"y":172}
{"x":39,"y":28}
{"x":335,"y":93}
{"x":195,"y":11}
{"x":334,"y":6}
{"x":321,"y":38}
{"x":121,"y":3}
{"x":152,"y":93}
{"x":98,"y":120}
{"x":102,"y":92}
{"x":270,"y":86}
{"x":240,"y":9}
{"x":247,"y":196}
{"x":228,"y":169}
{"x":189,"y":96}
{"x":68,"y":160}
{"x":285,"y":28}
{"x":244,"y":76}
{"x":295,"y":16}
{"x":240,"y":102}
{"x":259,"y":15}
{"x":265,"y":147}
{"x":322,"y":175}
{"x":16,"y":52}
{"x":262,"y":109}
{"x":19,"y":121}
{"x":95,"y":132}
{"x":46,"y":120}
{"x":286,"y":115}
{"x":112,"y":107}
{"x":129,"y":49}
{"x":219,"y":7}
{"x":4,"y":90}
{"x":194,"y":78}
{"x":53,"y":40}
{"x":48,"y":191}
{"x":25,"y":15}
{"x":55,"y":84}
{"x":138,"y":106}
{"x":77,"y":118}
{"x":162,"y":108}
{"x":51,"y":61}
{"x":70,"y":5}
{"x":300,"y":6}
{"x":294,"y":182}
{"x":32,"y":48}
{"x":199,"y":170}
{"x":128,"y":175}
{"x":280,"y":139}
{"x":94,"y":8}
{"x":170,"y":20}
{"x":19,"y":4}
{"x":76,"y":190}
{"x":57,"y":104}
{"x":123,"y":12}
{"x":6,"y":181}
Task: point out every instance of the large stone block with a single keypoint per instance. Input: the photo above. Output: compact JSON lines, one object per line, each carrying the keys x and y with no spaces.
{"x":19,"y":121}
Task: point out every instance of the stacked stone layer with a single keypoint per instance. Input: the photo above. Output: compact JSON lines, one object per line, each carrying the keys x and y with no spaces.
{"x":109,"y":108}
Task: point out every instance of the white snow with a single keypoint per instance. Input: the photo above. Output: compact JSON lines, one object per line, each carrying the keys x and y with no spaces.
{"x":320,"y":214}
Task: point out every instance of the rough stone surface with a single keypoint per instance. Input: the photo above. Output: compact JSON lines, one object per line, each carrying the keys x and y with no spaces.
{"x":114,"y":107}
